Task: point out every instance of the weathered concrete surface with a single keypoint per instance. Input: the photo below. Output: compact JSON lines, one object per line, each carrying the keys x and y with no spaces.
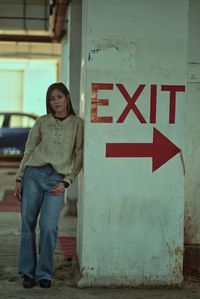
{"x":64,"y":282}
{"x":131,"y":203}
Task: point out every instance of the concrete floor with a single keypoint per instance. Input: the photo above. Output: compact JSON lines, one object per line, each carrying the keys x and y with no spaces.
{"x":64,"y":281}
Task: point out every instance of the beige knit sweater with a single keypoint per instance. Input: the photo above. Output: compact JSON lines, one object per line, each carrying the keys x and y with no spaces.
{"x":55,"y":142}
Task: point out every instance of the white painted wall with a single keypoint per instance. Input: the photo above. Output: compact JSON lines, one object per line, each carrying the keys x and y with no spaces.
{"x":192,"y":151}
{"x":11,"y":82}
{"x":37,"y":76}
{"x":130,"y":218}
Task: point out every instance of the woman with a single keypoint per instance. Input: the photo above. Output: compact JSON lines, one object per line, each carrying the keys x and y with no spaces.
{"x":52,"y":159}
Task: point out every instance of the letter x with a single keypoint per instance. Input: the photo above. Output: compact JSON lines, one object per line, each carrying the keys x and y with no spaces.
{"x":131,"y":103}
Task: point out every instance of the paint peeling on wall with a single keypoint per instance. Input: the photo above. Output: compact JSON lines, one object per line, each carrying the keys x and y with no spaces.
{"x":93,"y":52}
{"x":176,"y":262}
{"x":178,"y":250}
{"x":118,"y":47}
{"x":114,"y":42}
{"x":177,"y":269}
{"x":190,"y":232}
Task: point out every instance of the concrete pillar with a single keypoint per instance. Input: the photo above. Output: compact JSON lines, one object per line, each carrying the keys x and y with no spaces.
{"x":192,"y":150}
{"x":75,"y":52}
{"x":70,"y":70}
{"x":134,"y":73}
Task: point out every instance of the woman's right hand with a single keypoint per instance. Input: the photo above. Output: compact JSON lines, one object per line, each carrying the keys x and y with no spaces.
{"x":18,"y":190}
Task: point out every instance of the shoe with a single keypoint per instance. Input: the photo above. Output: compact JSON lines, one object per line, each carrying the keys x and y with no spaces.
{"x":45,"y":283}
{"x":28,"y":282}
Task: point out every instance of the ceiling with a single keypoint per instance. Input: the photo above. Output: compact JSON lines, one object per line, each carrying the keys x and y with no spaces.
{"x":33,"y":20}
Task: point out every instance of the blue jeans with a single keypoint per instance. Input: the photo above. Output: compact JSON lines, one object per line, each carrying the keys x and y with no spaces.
{"x":36,"y":199}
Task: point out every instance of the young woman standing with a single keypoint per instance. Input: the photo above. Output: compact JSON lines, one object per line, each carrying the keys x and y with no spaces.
{"x":52,"y":159}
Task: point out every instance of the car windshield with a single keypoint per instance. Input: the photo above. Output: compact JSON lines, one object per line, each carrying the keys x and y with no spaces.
{"x":1,"y":120}
{"x":21,"y":121}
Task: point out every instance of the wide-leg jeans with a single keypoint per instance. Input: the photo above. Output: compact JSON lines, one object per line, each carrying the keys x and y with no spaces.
{"x":36,"y":200}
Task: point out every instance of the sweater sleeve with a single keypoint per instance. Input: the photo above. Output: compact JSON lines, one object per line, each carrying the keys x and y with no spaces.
{"x":78,"y":154}
{"x":33,"y":140}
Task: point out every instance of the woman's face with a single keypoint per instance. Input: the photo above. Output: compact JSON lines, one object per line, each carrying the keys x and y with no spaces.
{"x":58,"y":102}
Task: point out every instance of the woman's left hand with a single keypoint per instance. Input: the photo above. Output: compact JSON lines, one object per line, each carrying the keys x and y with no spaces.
{"x":58,"y":189}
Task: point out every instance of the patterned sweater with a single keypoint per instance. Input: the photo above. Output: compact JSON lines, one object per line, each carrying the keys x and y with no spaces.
{"x":55,"y":142}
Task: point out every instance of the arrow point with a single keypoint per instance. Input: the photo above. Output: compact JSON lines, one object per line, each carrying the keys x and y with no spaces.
{"x":163,"y":150}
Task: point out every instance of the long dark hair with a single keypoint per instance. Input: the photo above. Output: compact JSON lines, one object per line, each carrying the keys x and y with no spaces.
{"x":62,"y":88}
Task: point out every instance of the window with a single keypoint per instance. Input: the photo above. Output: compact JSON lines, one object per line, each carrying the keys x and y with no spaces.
{"x":21,"y":121}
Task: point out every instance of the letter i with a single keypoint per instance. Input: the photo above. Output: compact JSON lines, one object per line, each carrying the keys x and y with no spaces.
{"x":153,"y":103}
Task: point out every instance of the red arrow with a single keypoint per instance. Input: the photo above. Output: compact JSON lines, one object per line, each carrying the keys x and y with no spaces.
{"x":161,"y":150}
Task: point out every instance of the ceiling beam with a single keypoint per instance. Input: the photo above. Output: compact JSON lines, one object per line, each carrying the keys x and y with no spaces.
{"x":26,"y":38}
{"x":58,"y":27}
{"x":59,"y":19}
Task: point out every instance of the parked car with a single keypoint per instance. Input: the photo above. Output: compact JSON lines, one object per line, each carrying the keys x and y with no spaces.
{"x":14,"y":129}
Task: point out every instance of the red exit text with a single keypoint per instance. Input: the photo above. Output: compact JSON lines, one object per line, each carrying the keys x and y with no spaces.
{"x":131,"y":102}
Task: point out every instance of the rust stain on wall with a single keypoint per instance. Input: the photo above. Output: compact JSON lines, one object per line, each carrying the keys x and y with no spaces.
{"x":191,"y":261}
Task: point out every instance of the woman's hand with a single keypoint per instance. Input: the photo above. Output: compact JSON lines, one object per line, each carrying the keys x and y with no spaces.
{"x":18,"y":190}
{"x":58,"y":189}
